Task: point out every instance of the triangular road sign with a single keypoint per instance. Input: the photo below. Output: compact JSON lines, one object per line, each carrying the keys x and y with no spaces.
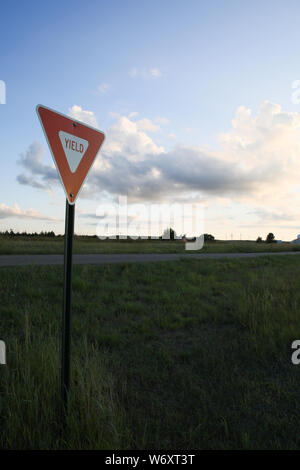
{"x":73,"y":145}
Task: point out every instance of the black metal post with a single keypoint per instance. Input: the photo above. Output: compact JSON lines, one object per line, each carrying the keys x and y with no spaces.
{"x":67,"y":296}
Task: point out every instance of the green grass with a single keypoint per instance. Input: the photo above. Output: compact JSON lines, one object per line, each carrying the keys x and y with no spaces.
{"x":177,"y":355}
{"x":45,"y":245}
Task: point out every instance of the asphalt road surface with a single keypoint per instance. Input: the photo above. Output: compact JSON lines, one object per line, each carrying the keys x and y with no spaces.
{"x":24,"y":260}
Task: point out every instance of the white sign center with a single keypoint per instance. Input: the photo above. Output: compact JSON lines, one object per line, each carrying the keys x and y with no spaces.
{"x":74,"y":148}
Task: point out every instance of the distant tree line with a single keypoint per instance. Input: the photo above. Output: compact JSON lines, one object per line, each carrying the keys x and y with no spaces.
{"x":11,"y":233}
{"x":168,"y":234}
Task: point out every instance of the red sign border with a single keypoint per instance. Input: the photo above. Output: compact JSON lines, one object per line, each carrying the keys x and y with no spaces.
{"x":52,"y":153}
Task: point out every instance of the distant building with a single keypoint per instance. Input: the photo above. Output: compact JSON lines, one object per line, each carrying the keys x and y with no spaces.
{"x":297,"y":240}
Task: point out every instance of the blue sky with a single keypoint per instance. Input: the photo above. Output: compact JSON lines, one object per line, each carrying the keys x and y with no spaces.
{"x":164,"y":80}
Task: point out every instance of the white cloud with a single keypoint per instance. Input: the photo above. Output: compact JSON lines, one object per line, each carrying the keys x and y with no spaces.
{"x":127,"y":139}
{"x":133,"y":115}
{"x":147,"y":126}
{"x":88,"y":117}
{"x":103,"y":88}
{"x":151,"y":73}
{"x":16,"y":211}
{"x":268,"y":145}
{"x":155,"y":73}
{"x":267,"y":216}
{"x":256,"y":169}
{"x":257,"y":155}
{"x":162,"y":120}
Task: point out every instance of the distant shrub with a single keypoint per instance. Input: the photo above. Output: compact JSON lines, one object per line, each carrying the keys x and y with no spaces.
{"x":209,"y":238}
{"x":259,"y":240}
{"x":270,"y":238}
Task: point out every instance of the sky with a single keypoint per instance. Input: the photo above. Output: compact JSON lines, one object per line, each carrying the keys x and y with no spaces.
{"x":199,"y":103}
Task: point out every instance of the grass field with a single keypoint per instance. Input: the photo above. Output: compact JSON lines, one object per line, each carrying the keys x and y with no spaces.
{"x":177,"y":355}
{"x":45,"y":245}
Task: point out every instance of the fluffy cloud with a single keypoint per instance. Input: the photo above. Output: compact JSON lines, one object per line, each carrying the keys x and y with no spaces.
{"x":267,"y":146}
{"x":15,"y":211}
{"x":257,"y":152}
{"x":133,"y":114}
{"x":80,"y":114}
{"x":147,"y":126}
{"x":257,"y":166}
{"x":129,"y":140}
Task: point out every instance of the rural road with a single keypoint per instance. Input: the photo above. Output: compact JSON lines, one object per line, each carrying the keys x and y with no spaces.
{"x":23,"y":260}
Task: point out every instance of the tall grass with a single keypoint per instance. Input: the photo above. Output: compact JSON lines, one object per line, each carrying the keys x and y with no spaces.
{"x":31,"y":412}
{"x":178,"y":355}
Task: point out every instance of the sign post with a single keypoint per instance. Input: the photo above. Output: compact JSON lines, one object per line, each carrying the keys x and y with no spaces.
{"x":74,"y":147}
{"x":67,"y":301}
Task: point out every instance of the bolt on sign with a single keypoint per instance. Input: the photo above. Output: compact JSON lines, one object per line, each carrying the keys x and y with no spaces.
{"x":74,"y":147}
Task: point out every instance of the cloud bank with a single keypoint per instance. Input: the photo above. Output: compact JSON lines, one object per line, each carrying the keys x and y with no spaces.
{"x":16,"y":211}
{"x":258,"y":163}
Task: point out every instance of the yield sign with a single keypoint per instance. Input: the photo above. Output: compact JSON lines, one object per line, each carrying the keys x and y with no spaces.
{"x":74,"y":147}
